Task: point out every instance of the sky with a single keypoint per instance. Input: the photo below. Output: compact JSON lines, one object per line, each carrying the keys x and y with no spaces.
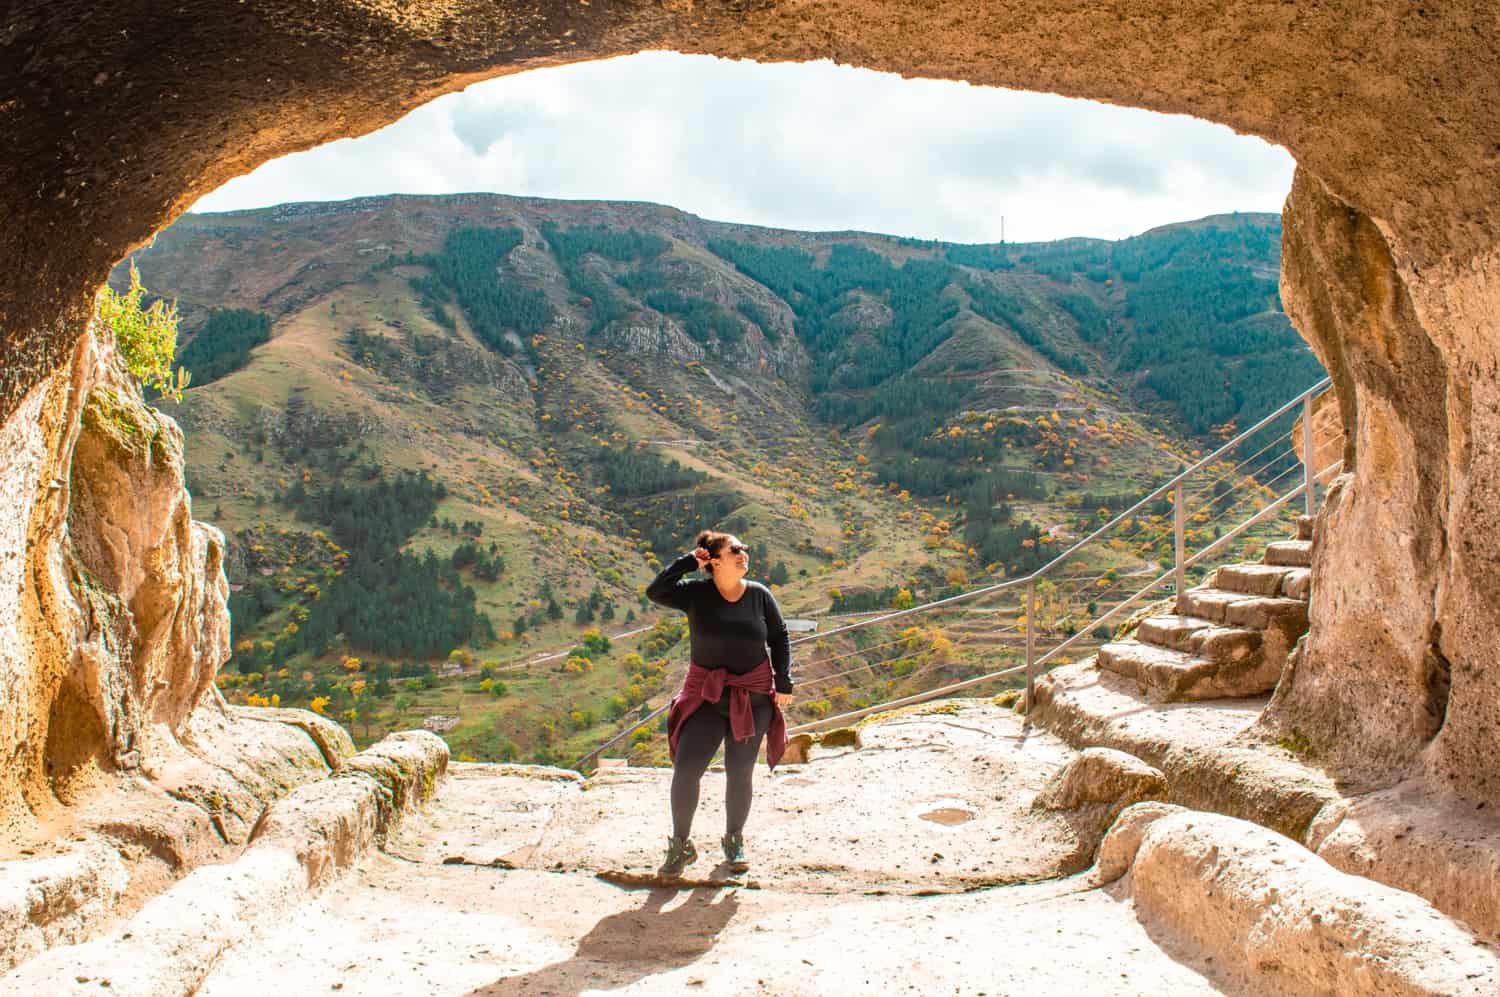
{"x":812,"y":146}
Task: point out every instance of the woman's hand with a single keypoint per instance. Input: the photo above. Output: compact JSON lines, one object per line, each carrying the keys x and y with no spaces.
{"x":703,"y":557}
{"x":784,"y":699}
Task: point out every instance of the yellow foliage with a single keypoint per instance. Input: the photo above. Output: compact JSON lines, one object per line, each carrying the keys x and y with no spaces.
{"x":146,"y":338}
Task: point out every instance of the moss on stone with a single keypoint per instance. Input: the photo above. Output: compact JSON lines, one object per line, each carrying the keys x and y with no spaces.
{"x":942,"y":707}
{"x":842,"y":737}
{"x":1296,"y":743}
{"x":130,"y":427}
{"x":429,"y":783}
{"x":543,"y":773}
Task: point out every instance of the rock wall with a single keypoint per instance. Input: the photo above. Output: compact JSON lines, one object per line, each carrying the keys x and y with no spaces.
{"x":119,"y":117}
{"x":113,"y":615}
{"x":1398,"y":668}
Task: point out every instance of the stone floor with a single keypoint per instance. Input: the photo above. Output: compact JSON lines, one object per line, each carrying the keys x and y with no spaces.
{"x":405,"y":928}
{"x":497,"y":888}
{"x":864,"y":820}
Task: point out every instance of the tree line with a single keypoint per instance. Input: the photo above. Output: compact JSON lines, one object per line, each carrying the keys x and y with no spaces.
{"x":224,"y":343}
{"x":385,"y":600}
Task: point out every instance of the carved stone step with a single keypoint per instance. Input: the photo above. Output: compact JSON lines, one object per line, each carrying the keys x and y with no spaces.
{"x":1291,"y":553}
{"x":1297,"y":584}
{"x":1174,"y":676}
{"x":1252,"y":579}
{"x":1228,"y":645}
{"x":1304,"y":527}
{"x":1135,"y":660}
{"x":1209,"y":603}
{"x":1175,"y":632}
{"x":1200,"y":637}
{"x":1259,"y":614}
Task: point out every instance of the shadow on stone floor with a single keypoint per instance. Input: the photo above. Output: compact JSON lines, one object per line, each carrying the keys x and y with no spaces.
{"x":629,"y":946}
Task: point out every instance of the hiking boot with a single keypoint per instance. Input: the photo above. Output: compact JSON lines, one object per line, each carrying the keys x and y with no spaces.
{"x":734,"y":852}
{"x":680,"y":855}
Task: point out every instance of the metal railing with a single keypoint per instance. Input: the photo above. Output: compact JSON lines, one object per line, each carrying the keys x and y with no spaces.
{"x":1229,"y":501}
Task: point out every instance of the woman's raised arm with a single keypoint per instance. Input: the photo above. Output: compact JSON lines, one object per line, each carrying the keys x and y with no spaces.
{"x":666,"y":588}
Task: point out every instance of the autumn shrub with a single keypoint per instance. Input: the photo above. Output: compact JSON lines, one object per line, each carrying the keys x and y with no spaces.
{"x":145,"y":337}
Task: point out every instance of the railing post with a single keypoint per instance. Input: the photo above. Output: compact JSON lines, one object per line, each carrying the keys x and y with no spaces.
{"x":1308,"y":472}
{"x":1030,"y":645}
{"x":1179,"y":525}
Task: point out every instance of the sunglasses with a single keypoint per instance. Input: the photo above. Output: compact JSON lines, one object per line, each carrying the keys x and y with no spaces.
{"x":738,"y":549}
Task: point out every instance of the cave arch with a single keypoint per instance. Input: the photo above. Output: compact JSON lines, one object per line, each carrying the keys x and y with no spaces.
{"x":120,"y":117}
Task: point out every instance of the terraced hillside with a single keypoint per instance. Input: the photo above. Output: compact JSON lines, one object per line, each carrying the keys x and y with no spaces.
{"x":446,"y":435}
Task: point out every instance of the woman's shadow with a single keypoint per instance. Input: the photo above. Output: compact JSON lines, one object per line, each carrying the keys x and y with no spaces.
{"x":629,"y":946}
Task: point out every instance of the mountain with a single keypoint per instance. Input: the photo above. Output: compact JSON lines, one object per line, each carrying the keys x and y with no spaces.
{"x":442,"y":433}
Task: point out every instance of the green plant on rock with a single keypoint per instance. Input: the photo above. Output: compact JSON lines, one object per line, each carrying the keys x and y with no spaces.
{"x":1296,"y":742}
{"x":145,"y":337}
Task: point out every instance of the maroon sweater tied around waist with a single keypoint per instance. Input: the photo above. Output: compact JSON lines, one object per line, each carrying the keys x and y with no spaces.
{"x":706,"y":685}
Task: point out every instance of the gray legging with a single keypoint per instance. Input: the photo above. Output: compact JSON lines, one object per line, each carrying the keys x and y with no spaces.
{"x":701,"y":735}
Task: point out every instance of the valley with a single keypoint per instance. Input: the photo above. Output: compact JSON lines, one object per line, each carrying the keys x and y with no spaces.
{"x":447,"y":437}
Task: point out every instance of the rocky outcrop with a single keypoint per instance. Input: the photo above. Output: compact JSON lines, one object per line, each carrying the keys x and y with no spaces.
{"x":1397,"y":674}
{"x":124,"y":770}
{"x":646,"y":333}
{"x":1277,"y":919}
{"x":116,"y":599}
{"x":300,"y":842}
{"x":1092,"y":790}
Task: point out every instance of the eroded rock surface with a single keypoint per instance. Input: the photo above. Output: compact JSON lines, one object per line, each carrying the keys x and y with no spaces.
{"x":929,"y":802}
{"x":301,"y":842}
{"x":1092,"y":790}
{"x":1397,"y":677}
{"x":123,"y":769}
{"x":1283,"y":921}
{"x":117,"y":619}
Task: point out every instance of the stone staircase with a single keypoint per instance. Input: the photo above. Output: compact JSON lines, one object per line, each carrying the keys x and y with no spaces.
{"x":1230,"y":636}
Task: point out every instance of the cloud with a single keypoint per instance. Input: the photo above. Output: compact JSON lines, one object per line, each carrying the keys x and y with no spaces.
{"x":808,"y":146}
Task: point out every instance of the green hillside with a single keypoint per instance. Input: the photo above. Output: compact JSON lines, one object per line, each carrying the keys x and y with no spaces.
{"x":444,"y":435}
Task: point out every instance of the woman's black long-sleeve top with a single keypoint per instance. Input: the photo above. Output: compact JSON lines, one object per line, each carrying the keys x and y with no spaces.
{"x":724,"y":634}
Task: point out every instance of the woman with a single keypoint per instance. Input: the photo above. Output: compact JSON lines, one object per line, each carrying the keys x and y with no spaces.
{"x":733,"y":692}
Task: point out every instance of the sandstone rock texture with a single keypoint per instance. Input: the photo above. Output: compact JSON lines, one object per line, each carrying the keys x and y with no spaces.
{"x":301,"y":841}
{"x":1283,"y":921}
{"x":123,"y":769}
{"x":1328,"y":439}
{"x":113,"y":615}
{"x":1123,"y":839}
{"x":1398,"y":674}
{"x":1210,"y":753}
{"x":1092,"y":790}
